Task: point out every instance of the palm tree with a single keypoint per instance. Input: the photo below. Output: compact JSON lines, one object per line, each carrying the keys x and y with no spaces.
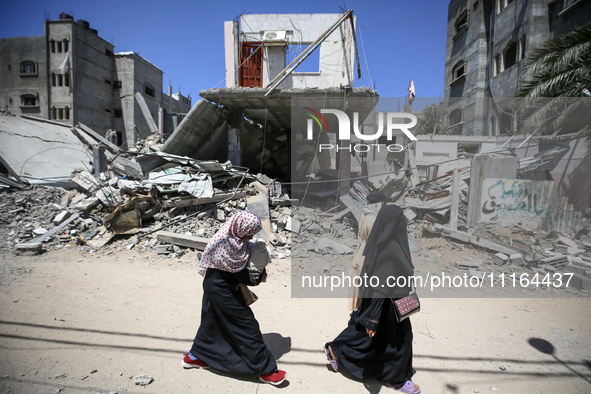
{"x":556,"y":85}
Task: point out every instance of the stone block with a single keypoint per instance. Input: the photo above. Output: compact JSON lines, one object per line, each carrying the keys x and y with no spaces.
{"x":517,"y":259}
{"x":500,"y":259}
{"x":60,"y":217}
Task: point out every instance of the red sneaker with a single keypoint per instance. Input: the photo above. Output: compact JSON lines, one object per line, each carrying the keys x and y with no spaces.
{"x":274,"y":378}
{"x":188,"y":363}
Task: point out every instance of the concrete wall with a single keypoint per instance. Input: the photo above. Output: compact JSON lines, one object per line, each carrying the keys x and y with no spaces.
{"x":135,"y":73}
{"x":336,"y":57}
{"x":533,"y":204}
{"x":13,"y":84}
{"x":92,"y":96}
{"x":92,"y":68}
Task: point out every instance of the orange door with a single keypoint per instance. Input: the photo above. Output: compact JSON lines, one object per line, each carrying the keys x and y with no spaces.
{"x":251,"y":69}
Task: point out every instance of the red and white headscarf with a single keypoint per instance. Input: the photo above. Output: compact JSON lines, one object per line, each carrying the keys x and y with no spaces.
{"x":228,"y":250}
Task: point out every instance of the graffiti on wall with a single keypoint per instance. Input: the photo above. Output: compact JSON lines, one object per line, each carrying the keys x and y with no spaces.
{"x":532,"y":203}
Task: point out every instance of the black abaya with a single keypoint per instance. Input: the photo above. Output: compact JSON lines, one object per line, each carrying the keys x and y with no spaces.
{"x":387,"y":356}
{"x":229,"y":338}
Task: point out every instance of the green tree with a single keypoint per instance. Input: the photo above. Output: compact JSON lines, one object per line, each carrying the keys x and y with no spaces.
{"x":556,"y":86}
{"x":431,"y":121}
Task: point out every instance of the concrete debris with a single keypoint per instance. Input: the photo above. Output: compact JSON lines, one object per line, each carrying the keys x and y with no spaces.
{"x":170,"y":203}
{"x":500,"y":259}
{"x":329,"y":246}
{"x":144,"y":379}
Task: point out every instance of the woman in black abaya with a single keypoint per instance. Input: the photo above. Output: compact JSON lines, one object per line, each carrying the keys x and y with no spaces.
{"x":374,"y":345}
{"x":229,"y":338}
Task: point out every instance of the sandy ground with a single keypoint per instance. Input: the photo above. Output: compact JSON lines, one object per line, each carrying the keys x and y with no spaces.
{"x":73,"y":321}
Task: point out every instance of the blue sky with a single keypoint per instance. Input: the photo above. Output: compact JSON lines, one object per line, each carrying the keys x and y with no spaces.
{"x":398,"y":40}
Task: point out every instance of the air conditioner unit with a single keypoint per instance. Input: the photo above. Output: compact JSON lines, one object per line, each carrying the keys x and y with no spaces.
{"x":274,"y":36}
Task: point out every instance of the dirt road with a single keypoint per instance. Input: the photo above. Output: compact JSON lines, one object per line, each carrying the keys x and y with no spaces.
{"x":73,"y":321}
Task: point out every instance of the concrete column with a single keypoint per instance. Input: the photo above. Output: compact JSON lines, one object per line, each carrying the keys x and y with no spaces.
{"x":234,"y":145}
{"x":455,"y":201}
{"x":99,"y":159}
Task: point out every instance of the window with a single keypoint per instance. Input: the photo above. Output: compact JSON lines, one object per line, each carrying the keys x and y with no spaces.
{"x":502,"y":4}
{"x":456,"y":117}
{"x":149,"y":91}
{"x":58,"y":46}
{"x":522,"y":43}
{"x":108,"y":53}
{"x":459,"y":71}
{"x":60,"y":113}
{"x":28,"y":68}
{"x":498,"y":66}
{"x":510,"y":57}
{"x":118,"y":113}
{"x":29,"y":100}
{"x":60,"y":79}
{"x":554,"y":10}
{"x":9,"y":68}
{"x":116,"y":84}
{"x":462,"y":23}
{"x":312,"y":62}
{"x":493,"y":126}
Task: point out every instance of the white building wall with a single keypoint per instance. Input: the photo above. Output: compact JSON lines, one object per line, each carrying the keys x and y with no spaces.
{"x":337,"y":53}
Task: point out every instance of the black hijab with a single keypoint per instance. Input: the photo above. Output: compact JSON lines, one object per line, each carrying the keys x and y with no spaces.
{"x":387,"y":254}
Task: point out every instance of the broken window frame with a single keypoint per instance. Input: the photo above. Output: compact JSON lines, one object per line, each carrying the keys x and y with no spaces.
{"x":461,"y":65}
{"x":456,"y":114}
{"x":502,"y":5}
{"x":461,"y":23}
{"x":149,"y":91}
{"x":29,"y":100}
{"x":28,"y":68}
{"x":510,"y":55}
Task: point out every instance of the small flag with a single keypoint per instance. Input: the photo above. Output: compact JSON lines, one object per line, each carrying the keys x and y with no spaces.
{"x":411,"y":92}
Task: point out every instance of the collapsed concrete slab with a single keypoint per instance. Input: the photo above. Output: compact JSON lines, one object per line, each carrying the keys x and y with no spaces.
{"x":41,"y":152}
{"x":200,"y":134}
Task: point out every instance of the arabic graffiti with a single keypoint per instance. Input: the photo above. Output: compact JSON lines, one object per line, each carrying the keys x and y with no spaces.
{"x":512,"y":201}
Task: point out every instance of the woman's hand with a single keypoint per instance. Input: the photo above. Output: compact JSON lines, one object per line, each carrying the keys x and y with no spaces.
{"x":371,"y":333}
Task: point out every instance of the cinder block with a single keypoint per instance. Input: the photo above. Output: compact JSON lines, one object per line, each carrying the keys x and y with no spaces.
{"x":460,"y":236}
{"x":580,"y":282}
{"x":500,"y":259}
{"x":517,"y":259}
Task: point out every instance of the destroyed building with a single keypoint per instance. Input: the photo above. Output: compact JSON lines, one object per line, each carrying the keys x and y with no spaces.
{"x":487,"y":43}
{"x":251,"y":116}
{"x":523,"y":199}
{"x":71,"y":75}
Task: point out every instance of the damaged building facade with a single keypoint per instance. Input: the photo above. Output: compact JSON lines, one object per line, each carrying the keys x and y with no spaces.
{"x":487,"y":43}
{"x":71,"y":75}
{"x":249,"y":121}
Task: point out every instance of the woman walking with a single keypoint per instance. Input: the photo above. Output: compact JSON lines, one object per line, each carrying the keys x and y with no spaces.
{"x":374,"y":345}
{"x":375,"y":201}
{"x":229,"y":338}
